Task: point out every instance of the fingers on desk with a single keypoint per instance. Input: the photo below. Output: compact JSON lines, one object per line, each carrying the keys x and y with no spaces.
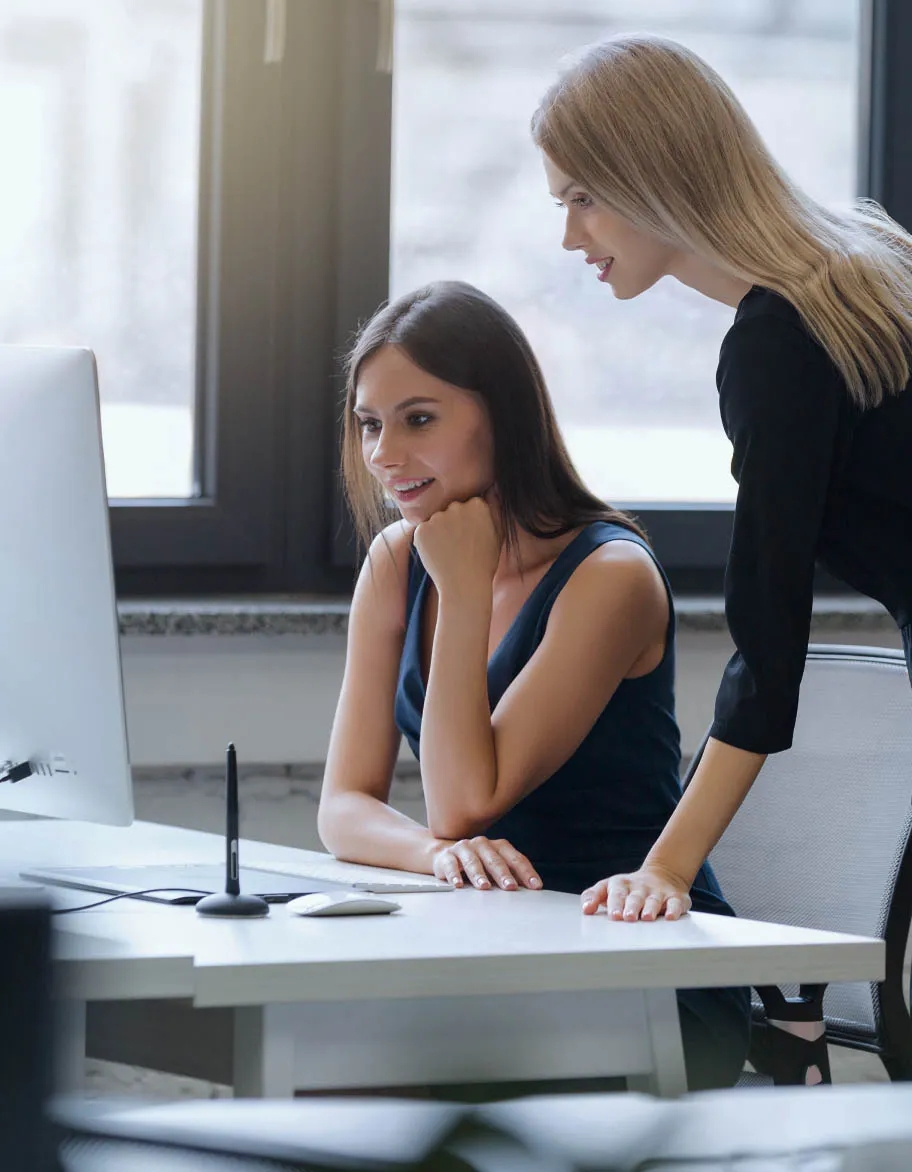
{"x":631,"y":897}
{"x":485,"y":863}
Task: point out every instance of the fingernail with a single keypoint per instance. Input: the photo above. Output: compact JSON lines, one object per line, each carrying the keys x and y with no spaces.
{"x":508,"y":883}
{"x":535,"y":881}
{"x":482,"y":882}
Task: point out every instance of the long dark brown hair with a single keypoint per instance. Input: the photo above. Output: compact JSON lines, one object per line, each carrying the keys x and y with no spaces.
{"x":458,"y":334}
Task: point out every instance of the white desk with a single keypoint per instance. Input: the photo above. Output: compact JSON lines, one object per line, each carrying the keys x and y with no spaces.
{"x":460,"y":986}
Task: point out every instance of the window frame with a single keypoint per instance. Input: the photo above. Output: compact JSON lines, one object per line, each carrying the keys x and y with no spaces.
{"x":285,"y":150}
{"x":279,"y":306}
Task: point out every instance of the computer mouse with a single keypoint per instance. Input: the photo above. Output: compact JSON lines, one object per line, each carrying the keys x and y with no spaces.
{"x":341,"y":903}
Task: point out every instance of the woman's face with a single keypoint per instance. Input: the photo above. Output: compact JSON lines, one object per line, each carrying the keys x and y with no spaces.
{"x":427,"y":442}
{"x":628,"y":260}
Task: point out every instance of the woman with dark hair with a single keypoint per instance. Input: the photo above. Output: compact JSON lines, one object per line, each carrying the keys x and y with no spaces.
{"x":514,"y":628}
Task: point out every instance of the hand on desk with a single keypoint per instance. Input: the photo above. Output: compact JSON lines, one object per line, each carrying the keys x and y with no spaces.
{"x":643,"y":894}
{"x":485,"y":862}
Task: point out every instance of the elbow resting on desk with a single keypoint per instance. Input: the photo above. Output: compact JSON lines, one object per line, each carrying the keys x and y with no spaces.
{"x":462,"y":816}
{"x":338,"y":821}
{"x":456,"y":826}
{"x":456,"y":809}
{"x":326,"y":828}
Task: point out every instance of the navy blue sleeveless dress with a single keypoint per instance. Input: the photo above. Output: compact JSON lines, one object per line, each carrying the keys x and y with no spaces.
{"x":604,"y":808}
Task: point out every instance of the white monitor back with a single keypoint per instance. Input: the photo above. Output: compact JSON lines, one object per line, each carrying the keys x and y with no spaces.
{"x":61,"y":693}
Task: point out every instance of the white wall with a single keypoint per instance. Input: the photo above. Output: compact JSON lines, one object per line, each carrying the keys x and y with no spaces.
{"x":274,"y":696}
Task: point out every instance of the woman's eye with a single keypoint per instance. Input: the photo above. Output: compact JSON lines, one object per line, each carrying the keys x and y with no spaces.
{"x":419,"y":420}
{"x":582,"y":201}
{"x":368,"y":425}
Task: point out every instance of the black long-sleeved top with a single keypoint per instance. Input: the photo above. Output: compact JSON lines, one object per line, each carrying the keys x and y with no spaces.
{"x":819,"y":480}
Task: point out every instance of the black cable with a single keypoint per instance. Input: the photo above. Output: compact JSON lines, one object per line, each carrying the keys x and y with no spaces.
{"x":18,"y":772}
{"x":84,"y":907}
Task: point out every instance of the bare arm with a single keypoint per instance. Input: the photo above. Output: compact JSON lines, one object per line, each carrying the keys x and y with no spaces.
{"x":358,"y":828}
{"x":355,"y":819}
{"x":458,"y":754}
{"x":716,"y":790}
{"x":477,"y":765}
{"x":718,"y":787}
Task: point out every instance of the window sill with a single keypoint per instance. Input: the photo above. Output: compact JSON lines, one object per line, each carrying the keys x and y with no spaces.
{"x":832,"y":612}
{"x":309,"y":615}
{"x":280,"y":615}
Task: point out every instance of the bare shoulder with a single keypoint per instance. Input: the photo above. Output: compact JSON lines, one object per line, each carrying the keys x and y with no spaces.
{"x":618,"y":577}
{"x":382,"y":585}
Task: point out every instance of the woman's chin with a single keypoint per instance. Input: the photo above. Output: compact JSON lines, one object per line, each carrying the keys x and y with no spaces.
{"x":416,"y":511}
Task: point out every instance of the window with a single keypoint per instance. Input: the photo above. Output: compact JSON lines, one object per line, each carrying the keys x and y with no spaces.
{"x":830,"y":87}
{"x":213,"y":193}
{"x":182,"y":196}
{"x":633,"y":382}
{"x":100,"y":120}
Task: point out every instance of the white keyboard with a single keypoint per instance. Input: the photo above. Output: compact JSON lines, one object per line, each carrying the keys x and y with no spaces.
{"x":359,"y":879}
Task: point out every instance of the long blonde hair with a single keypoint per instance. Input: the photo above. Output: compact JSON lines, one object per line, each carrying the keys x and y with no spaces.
{"x":653,"y":133}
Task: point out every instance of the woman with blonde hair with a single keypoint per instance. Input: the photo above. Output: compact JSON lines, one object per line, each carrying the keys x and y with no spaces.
{"x":662,"y":173}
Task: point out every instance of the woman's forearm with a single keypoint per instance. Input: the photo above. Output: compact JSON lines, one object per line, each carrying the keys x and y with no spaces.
{"x":358,"y":828}
{"x":458,"y":762}
{"x":716,"y":790}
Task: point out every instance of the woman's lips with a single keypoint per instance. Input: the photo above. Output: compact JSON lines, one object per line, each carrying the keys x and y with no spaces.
{"x":603,"y":263}
{"x":409,"y":494}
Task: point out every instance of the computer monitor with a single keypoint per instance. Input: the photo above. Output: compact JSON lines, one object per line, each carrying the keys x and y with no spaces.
{"x":61,"y":693}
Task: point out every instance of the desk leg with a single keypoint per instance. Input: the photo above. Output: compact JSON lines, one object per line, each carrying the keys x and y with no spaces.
{"x":264,"y":1052}
{"x":668,"y":1077}
{"x":70,"y":1045}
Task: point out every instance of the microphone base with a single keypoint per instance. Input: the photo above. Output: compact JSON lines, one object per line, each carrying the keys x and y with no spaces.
{"x":225,"y":904}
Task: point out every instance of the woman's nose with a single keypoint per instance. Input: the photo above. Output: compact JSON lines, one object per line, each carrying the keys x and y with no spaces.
{"x":572,"y":236}
{"x":386,"y":451}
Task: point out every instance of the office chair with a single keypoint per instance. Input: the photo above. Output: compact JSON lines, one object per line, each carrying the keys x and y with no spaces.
{"x":824,"y":840}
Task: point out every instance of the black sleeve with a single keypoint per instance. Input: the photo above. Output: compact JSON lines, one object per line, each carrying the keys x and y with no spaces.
{"x":780,"y":399}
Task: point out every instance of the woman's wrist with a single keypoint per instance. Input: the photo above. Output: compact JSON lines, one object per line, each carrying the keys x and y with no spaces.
{"x":432,"y":846}
{"x":471,"y":600}
{"x":672,"y":866}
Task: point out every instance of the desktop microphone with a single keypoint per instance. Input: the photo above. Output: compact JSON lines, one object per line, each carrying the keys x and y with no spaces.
{"x":231,"y":902}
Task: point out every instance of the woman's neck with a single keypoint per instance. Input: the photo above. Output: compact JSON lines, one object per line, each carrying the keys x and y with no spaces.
{"x":530,"y":553}
{"x":708,"y":279}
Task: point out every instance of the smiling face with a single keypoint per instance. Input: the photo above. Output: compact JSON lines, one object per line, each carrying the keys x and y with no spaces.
{"x":427,"y":442}
{"x":628,"y":260}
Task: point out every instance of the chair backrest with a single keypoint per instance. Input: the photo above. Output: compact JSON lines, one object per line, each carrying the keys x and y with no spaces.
{"x":823,"y":838}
